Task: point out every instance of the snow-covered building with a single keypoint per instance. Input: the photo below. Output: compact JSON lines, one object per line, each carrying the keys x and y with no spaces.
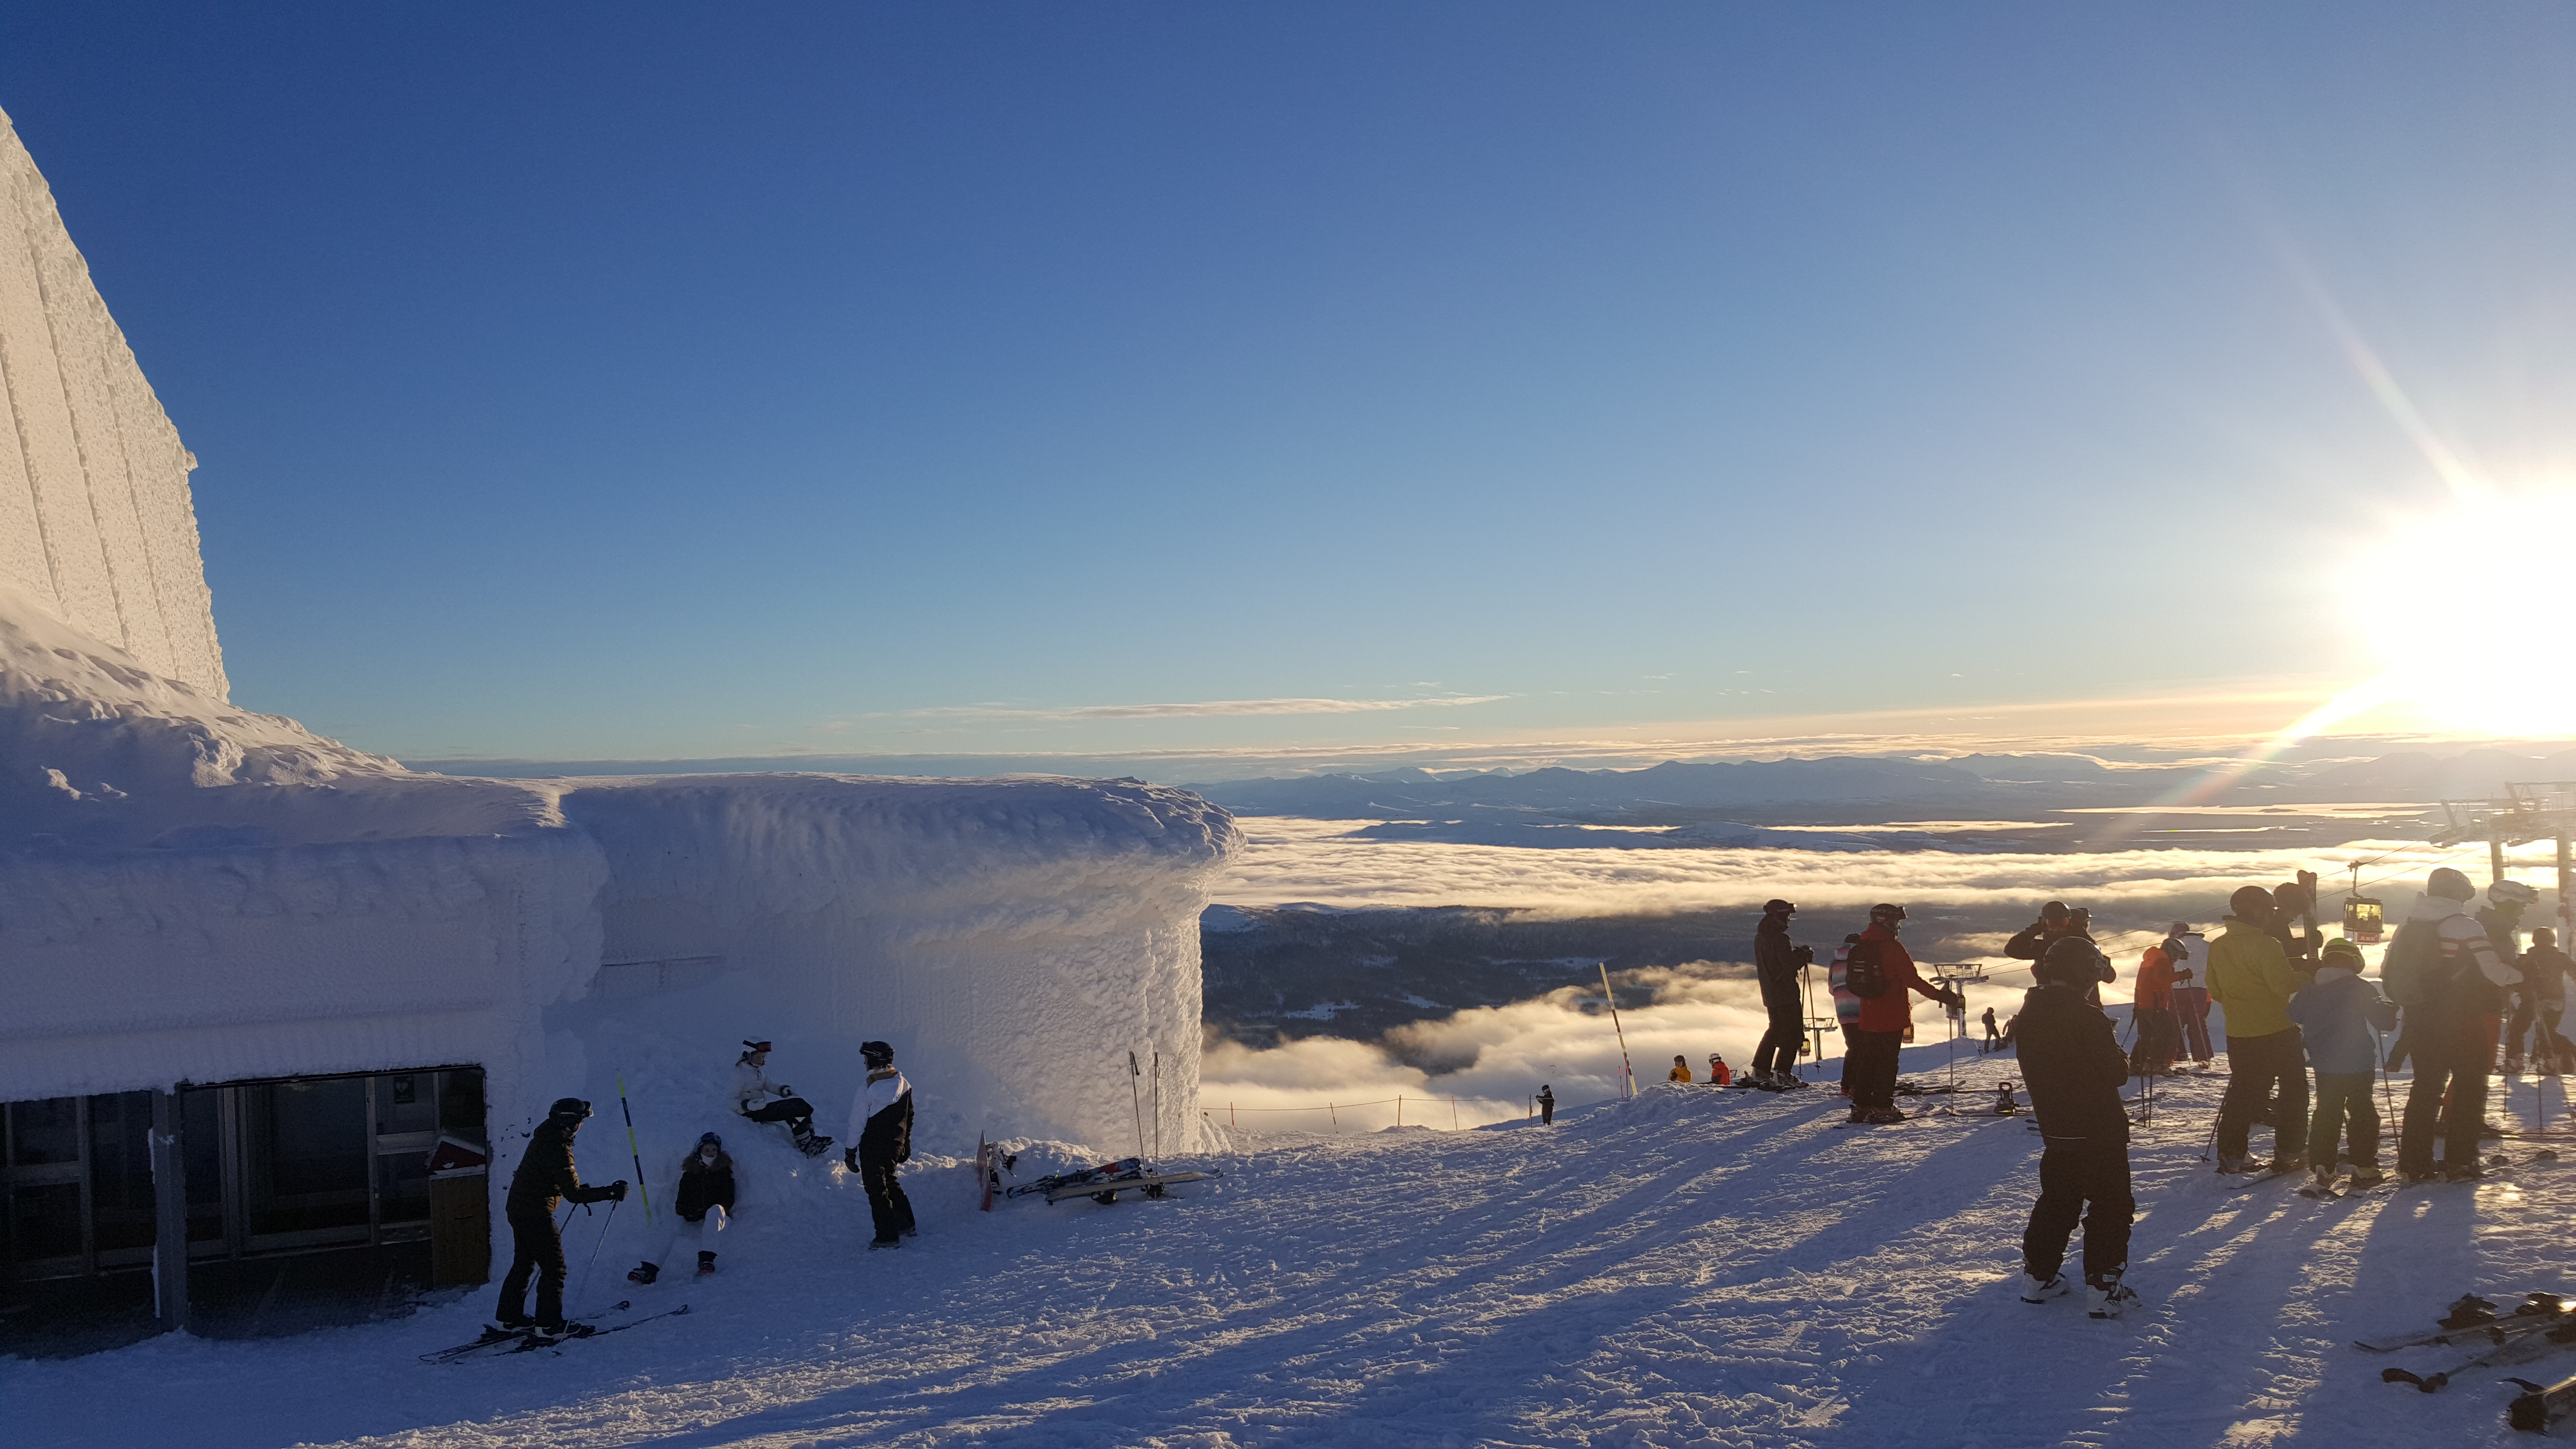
{"x":341,"y":988}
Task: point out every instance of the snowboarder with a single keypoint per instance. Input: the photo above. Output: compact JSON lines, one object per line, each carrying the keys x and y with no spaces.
{"x":753,"y":1093}
{"x":2251,"y":976}
{"x":1718,"y":1075}
{"x":2445,"y":973}
{"x":2073,"y":1066}
{"x":2335,"y":1014}
{"x":1681,"y":1071}
{"x":881,"y":1125}
{"x":1776,"y":964}
{"x":1879,"y":959}
{"x":546,"y":1177}
{"x":1546,"y":1106}
{"x":703,"y":1205}
{"x":1994,"y":1038}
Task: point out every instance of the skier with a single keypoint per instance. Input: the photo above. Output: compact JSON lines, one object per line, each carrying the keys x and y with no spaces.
{"x":752,"y":1093}
{"x":1776,"y":964}
{"x":546,"y":1177}
{"x":704,"y":1204}
{"x":2031,"y":942}
{"x":881,"y":1125}
{"x":2152,"y":1010}
{"x":2251,"y":976}
{"x":1546,"y":1106}
{"x":1879,"y":958}
{"x":2502,"y":921}
{"x":1994,"y":1039}
{"x":2072,"y":1064}
{"x":1718,"y":1076}
{"x":2334,"y":1014}
{"x":2545,"y":970}
{"x":1846,"y":1007}
{"x":2190,"y":997}
{"x":2444,"y":971}
{"x":1681,"y":1071}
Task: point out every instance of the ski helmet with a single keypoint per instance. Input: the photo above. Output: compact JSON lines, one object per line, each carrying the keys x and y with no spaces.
{"x":2511,"y":894}
{"x":2250,"y":903}
{"x":2071,"y":962}
{"x":1778,"y":907}
{"x":568,"y":1109}
{"x":2340,"y":952}
{"x":2449,"y":885}
{"x":1884,"y":912}
{"x":876,"y":1054}
{"x":2053,"y":911}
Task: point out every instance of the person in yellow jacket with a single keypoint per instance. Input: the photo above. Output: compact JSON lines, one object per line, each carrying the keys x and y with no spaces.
{"x":2250,"y":975}
{"x":1680,"y":1071}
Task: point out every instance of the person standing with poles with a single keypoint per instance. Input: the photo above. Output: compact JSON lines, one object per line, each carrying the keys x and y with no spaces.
{"x":2190,"y":997}
{"x":546,"y":1177}
{"x":2250,"y":975}
{"x":2072,"y":1063}
{"x":2446,"y":976}
{"x":1880,"y":973}
{"x":1777,"y":964}
{"x":881,"y":1122}
{"x":1546,"y":1105}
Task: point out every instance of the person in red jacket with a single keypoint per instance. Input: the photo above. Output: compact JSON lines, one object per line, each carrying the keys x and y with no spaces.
{"x":2159,"y":1032}
{"x":1870,"y":1068}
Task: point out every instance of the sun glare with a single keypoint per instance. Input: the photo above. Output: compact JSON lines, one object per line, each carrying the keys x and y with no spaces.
{"x":2464,"y":609}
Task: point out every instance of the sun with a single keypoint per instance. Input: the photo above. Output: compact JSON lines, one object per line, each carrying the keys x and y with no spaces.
{"x":2468,"y":609}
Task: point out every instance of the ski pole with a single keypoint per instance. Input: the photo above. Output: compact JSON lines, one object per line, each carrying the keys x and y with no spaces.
{"x":638,"y":1157}
{"x":1158,"y":1104}
{"x":584,"y":1290}
{"x":1136,"y":1101}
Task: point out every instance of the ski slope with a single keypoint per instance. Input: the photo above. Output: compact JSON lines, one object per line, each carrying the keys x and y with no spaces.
{"x":1696,"y":1267}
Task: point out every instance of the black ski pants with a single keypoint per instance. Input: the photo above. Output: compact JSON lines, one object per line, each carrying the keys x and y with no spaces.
{"x":535,"y":1249}
{"x":1778,"y":1052}
{"x":887,"y":1205}
{"x":2343,"y":1098}
{"x":2255,"y":1065}
{"x":1870,"y":1070}
{"x":1546,"y":1111}
{"x":790,"y":1110}
{"x":2080,"y":1181}
{"x":2451,"y":1059}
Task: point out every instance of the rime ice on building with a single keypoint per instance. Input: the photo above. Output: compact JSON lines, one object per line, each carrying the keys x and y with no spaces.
{"x":267,"y":994}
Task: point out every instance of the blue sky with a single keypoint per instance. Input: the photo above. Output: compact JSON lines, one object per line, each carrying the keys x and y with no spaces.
{"x":641,"y":382}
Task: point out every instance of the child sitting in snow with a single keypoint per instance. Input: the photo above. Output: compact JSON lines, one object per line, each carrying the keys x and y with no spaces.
{"x":701,"y":1207}
{"x":2072,"y":1064}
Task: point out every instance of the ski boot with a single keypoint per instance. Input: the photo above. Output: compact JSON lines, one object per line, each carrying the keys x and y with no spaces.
{"x":2108,"y":1297}
{"x":706,"y":1263}
{"x":562,"y":1331}
{"x":2035,"y":1291}
{"x":643,"y":1273}
{"x":2367,"y":1175}
{"x":876,"y":1243}
{"x":2465,"y":1172}
{"x":1886,"y":1117}
{"x":1859,"y":1114}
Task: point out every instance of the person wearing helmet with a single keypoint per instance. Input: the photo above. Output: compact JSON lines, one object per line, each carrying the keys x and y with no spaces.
{"x":546,"y":1177}
{"x":2031,"y":942}
{"x":2072,"y":1064}
{"x":881,"y":1126}
{"x":2545,"y":970}
{"x":1718,"y":1075}
{"x":2250,"y":976}
{"x":2501,"y":919}
{"x":2448,"y":978}
{"x":762,"y":1100}
{"x":2292,"y":900}
{"x":2337,"y":1013}
{"x":2190,"y":997}
{"x":1879,"y":958}
{"x":1776,"y":964}
{"x":2152,"y":1009}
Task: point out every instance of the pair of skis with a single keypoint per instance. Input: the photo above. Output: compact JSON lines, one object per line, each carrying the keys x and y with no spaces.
{"x":2542,"y":1324}
{"x":497,"y":1339}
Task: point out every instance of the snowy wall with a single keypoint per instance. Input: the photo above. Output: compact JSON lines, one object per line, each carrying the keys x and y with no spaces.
{"x":96,"y":521}
{"x":1014,"y":939}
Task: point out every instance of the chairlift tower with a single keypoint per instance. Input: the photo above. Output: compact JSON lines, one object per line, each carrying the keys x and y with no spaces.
{"x":2524,"y":813}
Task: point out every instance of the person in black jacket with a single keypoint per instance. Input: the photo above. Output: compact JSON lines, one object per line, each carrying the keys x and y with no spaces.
{"x":701,"y":1207}
{"x":546,"y":1177}
{"x":881,"y":1121}
{"x":2072,"y":1064}
{"x":1776,"y":963}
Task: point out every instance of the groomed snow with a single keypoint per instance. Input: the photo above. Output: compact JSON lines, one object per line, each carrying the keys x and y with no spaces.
{"x":1699,"y":1267}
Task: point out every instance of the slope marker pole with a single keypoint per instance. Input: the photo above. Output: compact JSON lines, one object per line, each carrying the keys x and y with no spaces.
{"x":1627,"y":1073}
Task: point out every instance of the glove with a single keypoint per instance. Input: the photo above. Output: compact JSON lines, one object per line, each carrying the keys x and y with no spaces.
{"x":850,"y":1156}
{"x":786,"y":1091}
{"x":617,"y":1190}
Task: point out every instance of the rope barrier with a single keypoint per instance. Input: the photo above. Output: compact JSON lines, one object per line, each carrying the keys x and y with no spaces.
{"x":1333,"y":1109}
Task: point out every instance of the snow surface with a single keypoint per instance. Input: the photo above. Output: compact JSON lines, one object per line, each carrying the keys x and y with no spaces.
{"x":96,"y":519}
{"x":1697,"y":1267}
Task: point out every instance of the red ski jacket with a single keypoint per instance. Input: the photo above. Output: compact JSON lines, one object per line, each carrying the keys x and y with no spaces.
{"x":1889,"y":1010}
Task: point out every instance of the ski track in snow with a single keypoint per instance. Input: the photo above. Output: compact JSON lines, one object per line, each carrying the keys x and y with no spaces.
{"x":1696,"y":1267}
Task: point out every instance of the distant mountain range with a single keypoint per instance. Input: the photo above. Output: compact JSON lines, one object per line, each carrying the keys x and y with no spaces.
{"x":1857,"y":788}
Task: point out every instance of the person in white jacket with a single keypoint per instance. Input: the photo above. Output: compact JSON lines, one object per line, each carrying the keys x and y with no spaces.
{"x":762,"y":1100}
{"x":881,"y":1121}
{"x":2463,"y":979}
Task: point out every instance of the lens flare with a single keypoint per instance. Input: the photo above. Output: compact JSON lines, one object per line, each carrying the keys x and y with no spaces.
{"x":2465,"y":610}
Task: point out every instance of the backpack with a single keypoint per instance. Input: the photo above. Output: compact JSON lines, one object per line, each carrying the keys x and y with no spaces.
{"x":2411,"y":972}
{"x":1864,"y":975}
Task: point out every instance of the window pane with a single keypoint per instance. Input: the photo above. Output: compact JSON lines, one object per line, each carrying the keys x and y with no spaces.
{"x":44,"y":1221}
{"x":120,"y":1170}
{"x":44,"y":1132}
